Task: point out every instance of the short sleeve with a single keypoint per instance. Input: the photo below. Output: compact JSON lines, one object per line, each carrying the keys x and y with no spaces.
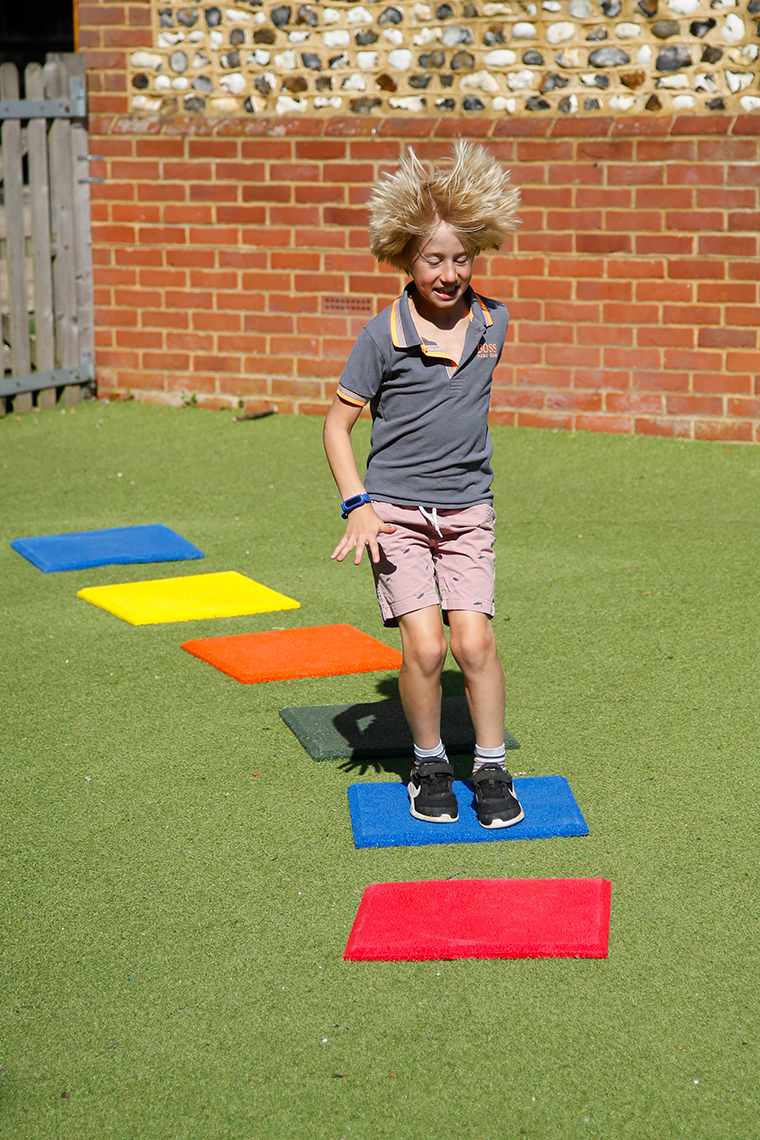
{"x":364,"y":371}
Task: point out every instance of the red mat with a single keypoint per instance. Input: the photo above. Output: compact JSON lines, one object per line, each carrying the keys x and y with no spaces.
{"x":283,"y":654}
{"x":482,"y":918}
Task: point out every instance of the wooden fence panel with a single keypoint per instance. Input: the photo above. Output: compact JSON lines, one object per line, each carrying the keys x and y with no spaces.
{"x":46,"y":250}
{"x":34,"y":84}
{"x":13,"y":181}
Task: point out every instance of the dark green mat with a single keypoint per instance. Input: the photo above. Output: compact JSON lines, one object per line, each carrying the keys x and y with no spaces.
{"x":375,"y":728}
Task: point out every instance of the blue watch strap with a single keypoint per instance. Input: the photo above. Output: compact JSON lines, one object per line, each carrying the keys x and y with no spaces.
{"x":352,"y":503}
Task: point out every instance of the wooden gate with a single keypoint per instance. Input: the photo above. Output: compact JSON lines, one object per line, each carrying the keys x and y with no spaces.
{"x":45,"y":243}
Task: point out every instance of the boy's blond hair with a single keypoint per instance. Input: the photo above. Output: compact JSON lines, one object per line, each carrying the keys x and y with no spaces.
{"x":473,"y":195}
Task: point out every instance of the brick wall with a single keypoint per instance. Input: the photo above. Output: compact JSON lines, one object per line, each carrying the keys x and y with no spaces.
{"x":225,"y":249}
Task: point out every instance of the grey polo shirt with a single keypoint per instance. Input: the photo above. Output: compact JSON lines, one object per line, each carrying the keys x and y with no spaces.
{"x":430,"y":440}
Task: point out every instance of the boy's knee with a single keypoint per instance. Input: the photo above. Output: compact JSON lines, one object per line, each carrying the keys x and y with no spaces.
{"x":474,"y":648}
{"x":428,"y":657}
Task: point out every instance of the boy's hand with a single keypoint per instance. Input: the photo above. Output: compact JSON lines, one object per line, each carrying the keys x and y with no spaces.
{"x":362,"y":529}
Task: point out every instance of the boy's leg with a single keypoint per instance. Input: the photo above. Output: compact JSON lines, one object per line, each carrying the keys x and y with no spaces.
{"x":473,"y":646}
{"x":431,"y":795}
{"x":424,"y":647}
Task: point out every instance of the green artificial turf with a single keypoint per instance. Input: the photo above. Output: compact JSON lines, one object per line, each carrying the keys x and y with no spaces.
{"x":178,"y":877}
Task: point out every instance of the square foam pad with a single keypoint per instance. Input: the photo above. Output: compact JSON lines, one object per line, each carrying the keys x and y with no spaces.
{"x":377,"y":728}
{"x":115,"y":547}
{"x":283,"y":654}
{"x":380,"y":815}
{"x":227,"y":594}
{"x":482,"y":918}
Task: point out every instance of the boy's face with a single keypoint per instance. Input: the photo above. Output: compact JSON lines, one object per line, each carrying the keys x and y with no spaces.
{"x":441,"y":269}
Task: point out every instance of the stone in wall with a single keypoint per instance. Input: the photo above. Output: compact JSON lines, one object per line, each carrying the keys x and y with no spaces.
{"x":490,"y":57}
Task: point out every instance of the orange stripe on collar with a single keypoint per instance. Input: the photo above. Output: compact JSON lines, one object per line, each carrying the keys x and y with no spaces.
{"x":486,"y":313}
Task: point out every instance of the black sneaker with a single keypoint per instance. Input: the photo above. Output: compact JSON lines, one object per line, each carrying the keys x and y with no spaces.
{"x":431,"y":793}
{"x":495,"y":801}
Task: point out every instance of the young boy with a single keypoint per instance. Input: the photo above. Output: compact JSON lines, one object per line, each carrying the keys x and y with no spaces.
{"x":425,"y":510}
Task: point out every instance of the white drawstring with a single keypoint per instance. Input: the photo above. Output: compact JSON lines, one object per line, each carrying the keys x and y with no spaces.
{"x":432,"y":518}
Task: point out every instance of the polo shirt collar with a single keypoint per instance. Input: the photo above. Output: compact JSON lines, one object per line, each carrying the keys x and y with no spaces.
{"x":403,"y":332}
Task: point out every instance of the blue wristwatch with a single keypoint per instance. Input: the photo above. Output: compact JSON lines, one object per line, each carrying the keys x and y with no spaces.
{"x":352,"y":503}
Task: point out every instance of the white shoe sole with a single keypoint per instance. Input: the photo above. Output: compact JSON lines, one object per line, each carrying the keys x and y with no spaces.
{"x":503,"y":822}
{"x":428,"y":818}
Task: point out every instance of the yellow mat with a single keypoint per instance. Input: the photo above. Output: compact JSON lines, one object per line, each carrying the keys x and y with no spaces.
{"x":228,"y":594}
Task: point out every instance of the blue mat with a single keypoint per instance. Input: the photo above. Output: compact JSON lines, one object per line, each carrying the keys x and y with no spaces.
{"x":115,"y":547}
{"x":380,"y":815}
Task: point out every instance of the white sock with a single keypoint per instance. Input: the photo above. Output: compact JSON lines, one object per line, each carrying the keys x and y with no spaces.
{"x":489,"y":756}
{"x":437,"y":753}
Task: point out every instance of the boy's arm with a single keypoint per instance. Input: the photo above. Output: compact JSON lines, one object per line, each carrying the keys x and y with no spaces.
{"x":363,"y":524}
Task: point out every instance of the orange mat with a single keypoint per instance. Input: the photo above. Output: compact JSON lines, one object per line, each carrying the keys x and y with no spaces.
{"x":283,"y":654}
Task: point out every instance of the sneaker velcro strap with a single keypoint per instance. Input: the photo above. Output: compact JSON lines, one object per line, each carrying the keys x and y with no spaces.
{"x":433,"y":767}
{"x":491,"y":772}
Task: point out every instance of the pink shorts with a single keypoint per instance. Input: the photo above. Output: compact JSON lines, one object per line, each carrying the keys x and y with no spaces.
{"x":420,"y":568}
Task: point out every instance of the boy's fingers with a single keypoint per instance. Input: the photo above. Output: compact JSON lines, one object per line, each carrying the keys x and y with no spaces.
{"x":386,"y":528}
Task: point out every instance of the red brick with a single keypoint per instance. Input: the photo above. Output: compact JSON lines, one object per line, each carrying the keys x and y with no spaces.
{"x":217,"y":321}
{"x":670,"y":337}
{"x":648,"y":358}
{"x":676,"y":429}
{"x":187,"y":171}
{"x":727,"y":150}
{"x":665,"y":150}
{"x":642,"y":268}
{"x":542,"y":287}
{"x":165,"y":360}
{"x":113,"y":235}
{"x":213,"y":279}
{"x":321,"y":149}
{"x":160,"y":192}
{"x":744,"y":175}
{"x":560,"y":420}
{"x":576,"y":174}
{"x":727,"y":292}
{"x":743,"y":361}
{"x":630,"y":314}
{"x":603,"y":378}
{"x":620,"y":425}
{"x":634,"y":220}
{"x":161,"y":235}
{"x":632,"y":403}
{"x":697,"y":361}
{"x":682,"y":291}
{"x":748,"y":315}
{"x":245,"y":258}
{"x":668,"y":245}
{"x":519,"y":398}
{"x":695,"y":405}
{"x":727,"y":338}
{"x":243,"y":342}
{"x":731,"y":430}
{"x":192,"y":258}
{"x":694,"y":174}
{"x":747,"y":408}
{"x":603,"y":334}
{"x":641,"y":174}
{"x":163,"y":319}
{"x":188,"y":299}
{"x":723,"y":198}
{"x":726,"y":245}
{"x":572,"y":356}
{"x":213,"y":235}
{"x":605,"y":290}
{"x":691,"y":314}
{"x":212,"y":148}
{"x":189,"y":342}
{"x":722,"y":383}
{"x":664,"y":198}
{"x":116,"y":318}
{"x":550,"y":243}
{"x":574,"y":401}
{"x":688,"y":268}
